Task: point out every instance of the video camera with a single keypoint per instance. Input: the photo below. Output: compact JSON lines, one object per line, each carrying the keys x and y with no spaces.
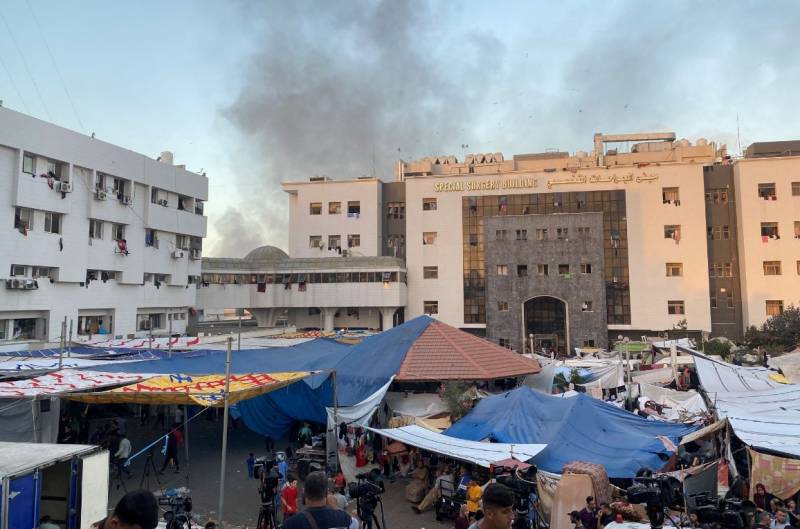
{"x":268,"y":484}
{"x":180,"y":511}
{"x":366,"y":491}
{"x":522,"y":483}
{"x":732,"y":512}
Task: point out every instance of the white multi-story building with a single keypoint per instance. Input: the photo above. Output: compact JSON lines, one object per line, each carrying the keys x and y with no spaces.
{"x":105,"y":237}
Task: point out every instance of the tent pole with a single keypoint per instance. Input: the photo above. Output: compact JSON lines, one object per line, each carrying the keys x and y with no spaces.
{"x":63,"y":342}
{"x":169,"y":340}
{"x":239,"y":341}
{"x":220,"y":511}
{"x":335,"y":422}
{"x":69,"y":343}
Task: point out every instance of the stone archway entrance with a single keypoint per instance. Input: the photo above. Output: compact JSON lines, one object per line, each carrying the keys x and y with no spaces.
{"x":545,"y":321}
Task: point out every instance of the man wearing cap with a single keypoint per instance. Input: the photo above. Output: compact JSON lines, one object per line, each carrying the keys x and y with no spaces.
{"x":138,"y":509}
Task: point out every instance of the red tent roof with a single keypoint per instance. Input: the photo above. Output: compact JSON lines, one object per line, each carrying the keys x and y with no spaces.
{"x":443,"y":352}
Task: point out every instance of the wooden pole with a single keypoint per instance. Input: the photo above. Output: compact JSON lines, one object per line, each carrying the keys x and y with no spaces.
{"x":221,"y":511}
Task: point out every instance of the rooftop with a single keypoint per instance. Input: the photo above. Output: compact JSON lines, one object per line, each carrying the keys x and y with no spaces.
{"x":270,"y":258}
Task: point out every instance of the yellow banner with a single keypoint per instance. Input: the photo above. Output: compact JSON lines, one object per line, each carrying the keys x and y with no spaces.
{"x":205,"y":390}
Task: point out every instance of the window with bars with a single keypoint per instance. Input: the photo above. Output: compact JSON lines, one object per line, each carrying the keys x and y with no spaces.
{"x":772,"y":268}
{"x":674,"y":269}
{"x":774,"y":307}
{"x":676,"y":307}
{"x":430,"y":272}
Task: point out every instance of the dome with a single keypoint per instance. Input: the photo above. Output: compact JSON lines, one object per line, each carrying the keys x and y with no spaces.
{"x":266,"y":253}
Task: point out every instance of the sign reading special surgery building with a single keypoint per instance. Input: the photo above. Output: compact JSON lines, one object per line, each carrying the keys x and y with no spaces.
{"x":528,"y":183}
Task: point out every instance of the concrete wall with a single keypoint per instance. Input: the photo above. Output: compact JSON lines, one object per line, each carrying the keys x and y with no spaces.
{"x":751,"y":211}
{"x":574,"y":290}
{"x":302,"y":224}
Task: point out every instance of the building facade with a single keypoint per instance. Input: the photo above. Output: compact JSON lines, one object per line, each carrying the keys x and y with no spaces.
{"x":101,"y":236}
{"x":642,"y":235}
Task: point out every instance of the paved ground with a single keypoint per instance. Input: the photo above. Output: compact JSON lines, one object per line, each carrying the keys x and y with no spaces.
{"x":242,"y":501}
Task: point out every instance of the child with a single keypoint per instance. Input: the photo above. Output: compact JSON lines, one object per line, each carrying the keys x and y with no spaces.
{"x":251,"y":466}
{"x":474,"y":493}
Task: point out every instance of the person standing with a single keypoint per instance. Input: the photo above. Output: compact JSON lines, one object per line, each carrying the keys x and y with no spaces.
{"x":122,"y":454}
{"x":171,"y":452}
{"x":498,"y":512}
{"x":289,"y":498}
{"x":474,"y":493}
{"x":605,"y":516}
{"x":251,"y":466}
{"x":318,"y":515}
{"x":588,"y":514}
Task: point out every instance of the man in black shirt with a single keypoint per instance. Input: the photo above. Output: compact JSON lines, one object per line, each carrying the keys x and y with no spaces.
{"x":138,"y":509}
{"x":317,"y":514}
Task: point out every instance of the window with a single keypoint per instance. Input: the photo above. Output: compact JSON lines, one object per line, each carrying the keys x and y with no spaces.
{"x":674,"y":269}
{"x":42,"y":272}
{"x":588,"y":343}
{"x":729,"y":299}
{"x":713,"y":299}
{"x":428,"y":204}
{"x":151,"y":238}
{"x":672,"y":231}
{"x":428,"y":238}
{"x":542,"y":269}
{"x":583,"y":231}
{"x":396,"y":210}
{"x":770,"y":230}
{"x":522,"y":235}
{"x":430,"y":272}
{"x":119,"y":192}
{"x":720,"y":270}
{"x":501,"y":235}
{"x":563,"y":270}
{"x":18,"y":270}
{"x":796,"y":189}
{"x":28,"y":164}
{"x":315,"y":208}
{"x":675,"y":307}
{"x":353,"y":240}
{"x":797,"y":229}
{"x":726,"y":234}
{"x":541,"y":234}
{"x":52,"y":222}
{"x":798,"y":268}
{"x":774,"y":307}
{"x":354,"y":208}
{"x":334,"y":208}
{"x":23,"y":218}
{"x":473,"y":239}
{"x":101,"y":187}
{"x":772,"y":268}
{"x":502,"y":306}
{"x":717,"y":196}
{"x":586,"y":306}
{"x":670,"y":195}
{"x":334,"y":242}
{"x":502,"y":205}
{"x":118,"y":234}
{"x":198,"y":206}
{"x":315,"y":241}
{"x":430,"y":308}
{"x":562,"y":233}
{"x":767,"y":191}
{"x":502,"y":342}
{"x":718,"y":233}
{"x":502,"y":270}
{"x":522,"y":270}
{"x":586,"y":268}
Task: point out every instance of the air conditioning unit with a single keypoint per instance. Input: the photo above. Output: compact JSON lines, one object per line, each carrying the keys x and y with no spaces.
{"x":177,"y":254}
{"x":15,"y":283}
{"x":30,"y":284}
{"x":194,"y":253}
{"x":100,"y":194}
{"x":64,"y":187}
{"x":126,"y":200}
{"x":163,"y":202}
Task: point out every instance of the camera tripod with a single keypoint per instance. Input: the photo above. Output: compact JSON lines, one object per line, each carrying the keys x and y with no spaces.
{"x":267,"y":518}
{"x":148,"y":466}
{"x":366,"y":511}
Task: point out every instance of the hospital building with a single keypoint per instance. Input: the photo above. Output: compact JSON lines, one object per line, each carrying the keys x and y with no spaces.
{"x":642,"y":234}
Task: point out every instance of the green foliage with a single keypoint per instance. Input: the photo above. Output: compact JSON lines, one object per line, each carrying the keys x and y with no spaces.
{"x":561,"y":382}
{"x":454,"y":397}
{"x":778,"y":333}
{"x":718,"y":348}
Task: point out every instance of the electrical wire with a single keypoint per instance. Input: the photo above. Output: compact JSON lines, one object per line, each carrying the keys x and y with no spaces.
{"x":55,"y":65}
{"x":25,"y":64}
{"x":14,"y":84}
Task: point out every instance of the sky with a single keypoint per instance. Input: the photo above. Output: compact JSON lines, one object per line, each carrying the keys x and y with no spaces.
{"x":259,"y":92}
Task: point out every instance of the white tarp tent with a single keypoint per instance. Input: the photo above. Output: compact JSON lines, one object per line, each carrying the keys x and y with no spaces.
{"x":51,"y":363}
{"x":690,"y":403}
{"x":422,"y":405}
{"x":483,"y":454}
{"x":64,"y":381}
{"x":717,"y":376}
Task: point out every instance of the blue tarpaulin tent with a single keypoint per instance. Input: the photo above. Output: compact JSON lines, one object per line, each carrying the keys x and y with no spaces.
{"x":361,"y":370}
{"x":579,"y":428}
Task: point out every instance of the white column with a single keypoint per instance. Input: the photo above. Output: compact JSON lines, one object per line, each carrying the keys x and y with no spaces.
{"x":327,"y":318}
{"x":387,"y":317}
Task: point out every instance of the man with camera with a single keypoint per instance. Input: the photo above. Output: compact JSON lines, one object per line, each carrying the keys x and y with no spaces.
{"x":317,"y":514}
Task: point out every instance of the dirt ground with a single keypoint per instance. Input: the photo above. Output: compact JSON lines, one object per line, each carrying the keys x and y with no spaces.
{"x":202,"y":472}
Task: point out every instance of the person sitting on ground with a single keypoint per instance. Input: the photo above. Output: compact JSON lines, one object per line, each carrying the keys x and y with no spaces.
{"x":324,"y":517}
{"x":761,"y":497}
{"x":498,"y":512}
{"x":45,"y":522}
{"x":138,"y":509}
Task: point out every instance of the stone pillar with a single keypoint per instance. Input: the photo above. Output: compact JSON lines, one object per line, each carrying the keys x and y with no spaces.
{"x":387,"y":317}
{"x":327,"y":318}
{"x":264,"y":317}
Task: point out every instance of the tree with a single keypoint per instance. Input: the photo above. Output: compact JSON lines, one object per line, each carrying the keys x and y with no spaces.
{"x":717,"y":347}
{"x":454,"y":397}
{"x":779,"y":332}
{"x":562,"y":383}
